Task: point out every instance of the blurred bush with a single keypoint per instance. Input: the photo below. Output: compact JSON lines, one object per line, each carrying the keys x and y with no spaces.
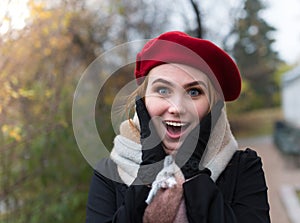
{"x":44,"y":177}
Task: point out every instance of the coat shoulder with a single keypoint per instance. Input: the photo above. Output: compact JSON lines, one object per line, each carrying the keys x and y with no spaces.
{"x":248,"y":159}
{"x":245,"y":154}
{"x":107,"y":169}
{"x":240,"y":161}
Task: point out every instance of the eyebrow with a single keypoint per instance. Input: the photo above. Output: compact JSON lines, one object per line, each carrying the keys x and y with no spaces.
{"x":194,"y":83}
{"x":162,"y":81}
{"x":188,"y":85}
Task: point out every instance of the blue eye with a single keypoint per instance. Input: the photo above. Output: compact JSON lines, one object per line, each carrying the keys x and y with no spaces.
{"x":163,"y":91}
{"x":194,"y":92}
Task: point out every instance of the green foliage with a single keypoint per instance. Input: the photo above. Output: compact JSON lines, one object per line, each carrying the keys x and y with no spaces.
{"x":257,"y":60}
{"x":106,"y":99}
{"x":43,"y":175}
{"x":44,"y":178}
{"x":52,"y":182}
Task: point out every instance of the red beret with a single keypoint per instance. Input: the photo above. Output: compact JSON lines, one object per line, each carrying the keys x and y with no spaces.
{"x":178,"y":47}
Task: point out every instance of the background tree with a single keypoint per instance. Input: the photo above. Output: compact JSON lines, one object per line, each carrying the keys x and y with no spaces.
{"x":255,"y":56}
{"x":248,"y":38}
{"x":198,"y":32}
{"x":44,"y":178}
{"x":40,"y":77}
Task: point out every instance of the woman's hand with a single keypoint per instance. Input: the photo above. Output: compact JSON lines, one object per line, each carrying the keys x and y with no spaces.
{"x":152,"y":150}
{"x":191,"y":151}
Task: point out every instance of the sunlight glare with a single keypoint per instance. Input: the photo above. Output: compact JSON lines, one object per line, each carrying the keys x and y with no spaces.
{"x":13,"y":14}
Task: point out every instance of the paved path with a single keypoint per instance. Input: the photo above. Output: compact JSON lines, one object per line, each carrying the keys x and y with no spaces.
{"x":279,"y":171}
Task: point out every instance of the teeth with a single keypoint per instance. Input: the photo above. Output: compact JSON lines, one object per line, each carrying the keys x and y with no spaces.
{"x":176,"y":124}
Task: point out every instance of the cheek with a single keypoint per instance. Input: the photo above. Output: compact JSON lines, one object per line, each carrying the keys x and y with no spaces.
{"x":155,"y":106}
{"x":202,"y":109}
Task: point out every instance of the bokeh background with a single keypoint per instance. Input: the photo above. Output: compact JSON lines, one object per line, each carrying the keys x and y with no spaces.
{"x":46,"y":45}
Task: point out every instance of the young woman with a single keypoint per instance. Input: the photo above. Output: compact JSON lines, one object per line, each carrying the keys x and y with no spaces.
{"x":176,"y":160}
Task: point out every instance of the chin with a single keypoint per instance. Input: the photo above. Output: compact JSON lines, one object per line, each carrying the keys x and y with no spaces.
{"x":171,"y":148}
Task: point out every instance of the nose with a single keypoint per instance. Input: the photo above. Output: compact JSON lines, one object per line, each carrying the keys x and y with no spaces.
{"x":177,"y":106}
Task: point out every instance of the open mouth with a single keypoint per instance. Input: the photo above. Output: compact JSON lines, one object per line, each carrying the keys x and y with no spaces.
{"x":175,"y":129}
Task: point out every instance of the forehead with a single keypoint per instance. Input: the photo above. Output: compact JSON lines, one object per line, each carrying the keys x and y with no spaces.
{"x":178,"y":73}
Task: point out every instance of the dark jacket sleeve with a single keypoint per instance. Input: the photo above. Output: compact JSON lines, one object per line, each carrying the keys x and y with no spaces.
{"x":104,"y":200}
{"x":250,"y":202}
{"x":205,"y":201}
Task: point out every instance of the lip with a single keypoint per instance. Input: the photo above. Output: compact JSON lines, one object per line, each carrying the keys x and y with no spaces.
{"x":172,"y":128}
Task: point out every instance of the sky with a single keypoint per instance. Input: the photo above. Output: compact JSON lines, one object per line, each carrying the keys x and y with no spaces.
{"x":17,"y":9}
{"x":284,"y":15}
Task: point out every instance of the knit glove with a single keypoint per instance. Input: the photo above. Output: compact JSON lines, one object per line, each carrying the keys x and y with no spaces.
{"x":190,"y":153}
{"x":152,"y":151}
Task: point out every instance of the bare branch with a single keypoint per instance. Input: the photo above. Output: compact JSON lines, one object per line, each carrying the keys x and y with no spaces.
{"x":198,"y":18}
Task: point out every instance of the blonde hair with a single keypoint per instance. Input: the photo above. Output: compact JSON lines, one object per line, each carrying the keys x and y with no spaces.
{"x":140,"y":91}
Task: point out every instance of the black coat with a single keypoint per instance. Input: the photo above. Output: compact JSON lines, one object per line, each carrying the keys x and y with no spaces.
{"x":239,"y":195}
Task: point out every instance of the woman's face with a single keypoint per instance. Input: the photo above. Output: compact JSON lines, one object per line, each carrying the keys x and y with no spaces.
{"x":176,"y":99}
